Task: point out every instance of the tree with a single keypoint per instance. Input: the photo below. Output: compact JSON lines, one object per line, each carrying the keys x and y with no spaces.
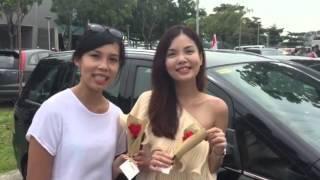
{"x":225,"y":23}
{"x":10,"y":10}
{"x":76,"y":13}
{"x":274,"y":35}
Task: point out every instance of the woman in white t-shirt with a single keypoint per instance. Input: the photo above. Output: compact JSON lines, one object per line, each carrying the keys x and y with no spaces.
{"x":76,"y":134}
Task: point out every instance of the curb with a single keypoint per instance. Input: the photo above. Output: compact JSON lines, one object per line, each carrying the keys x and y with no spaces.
{"x":11,"y":175}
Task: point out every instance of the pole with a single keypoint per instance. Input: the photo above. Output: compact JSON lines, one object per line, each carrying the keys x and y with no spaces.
{"x":258,"y":34}
{"x":240,"y":32}
{"x":49,"y":34}
{"x":20,"y":73}
{"x":128,"y":31}
{"x":197,"y":17}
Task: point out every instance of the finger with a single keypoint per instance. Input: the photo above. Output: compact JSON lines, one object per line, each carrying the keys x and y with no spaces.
{"x":213,"y":130}
{"x":163,"y":159}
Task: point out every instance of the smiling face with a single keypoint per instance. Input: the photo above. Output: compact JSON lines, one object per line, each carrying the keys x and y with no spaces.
{"x":99,"y":67}
{"x":183,"y":59}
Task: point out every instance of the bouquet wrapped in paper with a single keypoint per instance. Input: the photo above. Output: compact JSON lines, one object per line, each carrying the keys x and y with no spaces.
{"x":135,"y":130}
{"x":192,"y":136}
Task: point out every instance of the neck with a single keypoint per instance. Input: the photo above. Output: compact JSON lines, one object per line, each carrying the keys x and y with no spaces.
{"x":187,"y":92}
{"x":91,"y":99}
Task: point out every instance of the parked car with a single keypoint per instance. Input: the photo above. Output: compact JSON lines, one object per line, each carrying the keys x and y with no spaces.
{"x":9,"y":70}
{"x":264,"y":51}
{"x":274,"y":109}
{"x":313,"y":63}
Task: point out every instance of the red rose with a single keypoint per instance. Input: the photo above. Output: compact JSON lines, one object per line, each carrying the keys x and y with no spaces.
{"x":186,"y":135}
{"x":134,"y":129}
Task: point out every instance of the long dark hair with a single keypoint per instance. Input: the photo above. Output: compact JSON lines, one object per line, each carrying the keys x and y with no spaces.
{"x":163,"y":104}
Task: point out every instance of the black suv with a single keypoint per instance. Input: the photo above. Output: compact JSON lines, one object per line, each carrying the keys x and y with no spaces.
{"x":274,"y":109}
{"x":9,"y":69}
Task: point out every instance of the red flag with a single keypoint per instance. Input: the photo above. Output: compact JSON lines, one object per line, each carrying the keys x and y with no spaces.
{"x":214,"y":42}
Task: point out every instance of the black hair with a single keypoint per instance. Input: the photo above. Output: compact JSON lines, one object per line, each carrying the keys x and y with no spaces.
{"x":92,"y":40}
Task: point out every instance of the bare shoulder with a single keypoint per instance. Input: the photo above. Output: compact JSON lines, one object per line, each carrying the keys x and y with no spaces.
{"x":215,"y":104}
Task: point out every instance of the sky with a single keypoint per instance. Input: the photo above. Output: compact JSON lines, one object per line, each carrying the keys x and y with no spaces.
{"x":292,"y":15}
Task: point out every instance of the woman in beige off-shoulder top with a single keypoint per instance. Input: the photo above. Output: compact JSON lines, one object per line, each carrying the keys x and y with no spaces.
{"x":176,"y":102}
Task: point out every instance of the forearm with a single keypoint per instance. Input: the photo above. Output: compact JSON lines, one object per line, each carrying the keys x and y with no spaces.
{"x":215,"y":161}
{"x":115,"y":171}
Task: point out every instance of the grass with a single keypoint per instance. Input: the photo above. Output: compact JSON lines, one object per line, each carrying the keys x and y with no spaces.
{"x":7,"y":160}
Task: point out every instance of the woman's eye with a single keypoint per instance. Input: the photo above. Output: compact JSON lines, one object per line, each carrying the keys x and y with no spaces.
{"x":170,"y":54}
{"x":94,"y":55}
{"x":189,"y":51}
{"x":115,"y":60}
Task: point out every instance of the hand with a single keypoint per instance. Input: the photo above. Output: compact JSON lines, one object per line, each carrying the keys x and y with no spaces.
{"x":217,"y":140}
{"x":142,"y":159}
{"x":160,"y":159}
{"x":116,"y":164}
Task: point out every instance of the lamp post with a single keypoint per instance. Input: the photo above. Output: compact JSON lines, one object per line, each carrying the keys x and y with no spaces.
{"x":197,"y":16}
{"x":240,"y":32}
{"x":49,"y":40}
{"x":258,"y":34}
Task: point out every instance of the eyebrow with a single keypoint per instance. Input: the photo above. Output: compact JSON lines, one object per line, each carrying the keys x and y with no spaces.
{"x":187,"y":47}
{"x":99,"y":52}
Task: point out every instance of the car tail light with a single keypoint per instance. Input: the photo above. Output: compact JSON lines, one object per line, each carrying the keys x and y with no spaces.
{"x":22,"y":61}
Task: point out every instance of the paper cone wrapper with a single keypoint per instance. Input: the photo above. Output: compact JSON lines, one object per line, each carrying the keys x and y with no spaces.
{"x":134,"y":142}
{"x":189,"y":143}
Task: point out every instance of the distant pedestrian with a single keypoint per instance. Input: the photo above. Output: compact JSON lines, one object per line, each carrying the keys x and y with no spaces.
{"x":313,"y":51}
{"x":317,"y":50}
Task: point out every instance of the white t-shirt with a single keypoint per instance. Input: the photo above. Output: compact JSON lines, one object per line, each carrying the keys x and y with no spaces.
{"x":83,"y":143}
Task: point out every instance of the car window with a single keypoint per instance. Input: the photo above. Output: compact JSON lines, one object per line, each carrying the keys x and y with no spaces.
{"x":34,"y":59}
{"x":142,"y":80}
{"x":6,"y":61}
{"x":43,"y":55}
{"x":261,"y":160}
{"x":291,"y":96}
{"x":42,"y":83}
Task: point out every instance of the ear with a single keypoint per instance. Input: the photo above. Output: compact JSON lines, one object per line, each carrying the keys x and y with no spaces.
{"x":77,"y":62}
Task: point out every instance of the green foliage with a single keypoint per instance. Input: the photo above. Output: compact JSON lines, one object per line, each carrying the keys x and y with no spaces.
{"x":7,"y":160}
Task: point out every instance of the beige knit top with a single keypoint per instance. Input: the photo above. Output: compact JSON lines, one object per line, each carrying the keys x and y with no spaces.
{"x":192,"y":166}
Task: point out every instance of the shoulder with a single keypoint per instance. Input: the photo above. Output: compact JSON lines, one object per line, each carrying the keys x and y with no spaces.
{"x":58,"y":99}
{"x":215,"y":105}
{"x":114,"y":108}
{"x":144,"y":97}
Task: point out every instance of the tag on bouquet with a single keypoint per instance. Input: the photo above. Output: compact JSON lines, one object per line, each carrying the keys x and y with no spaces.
{"x":129,"y":169}
{"x":166,"y":170}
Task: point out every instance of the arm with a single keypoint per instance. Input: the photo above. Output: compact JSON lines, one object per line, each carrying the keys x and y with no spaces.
{"x":216,"y":136}
{"x":40,"y":162}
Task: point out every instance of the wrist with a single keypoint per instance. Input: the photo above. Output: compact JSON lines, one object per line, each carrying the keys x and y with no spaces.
{"x":219,"y":154}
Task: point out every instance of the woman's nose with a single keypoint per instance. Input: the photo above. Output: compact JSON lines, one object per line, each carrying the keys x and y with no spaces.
{"x":104,"y":64}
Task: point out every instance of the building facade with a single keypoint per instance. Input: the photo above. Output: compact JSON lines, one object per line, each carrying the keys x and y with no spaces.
{"x":38,"y":28}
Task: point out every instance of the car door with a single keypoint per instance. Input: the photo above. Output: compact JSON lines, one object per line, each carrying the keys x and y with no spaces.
{"x":139,"y":80}
{"x":8,"y":73}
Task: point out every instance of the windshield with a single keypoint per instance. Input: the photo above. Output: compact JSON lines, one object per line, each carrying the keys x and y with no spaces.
{"x":286,"y":93}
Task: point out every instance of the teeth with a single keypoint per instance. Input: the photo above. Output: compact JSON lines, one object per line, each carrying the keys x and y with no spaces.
{"x":100,"y":78}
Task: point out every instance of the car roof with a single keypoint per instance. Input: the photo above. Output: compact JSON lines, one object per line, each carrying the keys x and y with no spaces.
{"x":213,"y":57}
{"x":224,"y":57}
{"x":284,"y":57}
